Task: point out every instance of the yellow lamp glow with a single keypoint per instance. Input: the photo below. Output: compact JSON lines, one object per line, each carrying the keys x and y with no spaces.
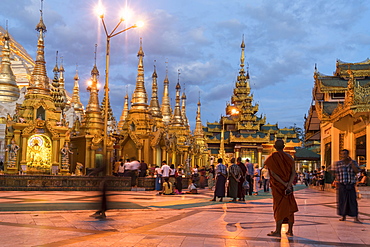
{"x":126,"y":14}
{"x":100,"y":11}
{"x":139,"y":24}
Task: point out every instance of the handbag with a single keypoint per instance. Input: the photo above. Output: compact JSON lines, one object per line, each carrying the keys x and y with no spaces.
{"x":245,"y":184}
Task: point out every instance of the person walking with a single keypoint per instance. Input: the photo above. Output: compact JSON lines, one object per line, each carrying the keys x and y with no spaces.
{"x":266,"y":179}
{"x":221,"y":175}
{"x":234,"y":177}
{"x":143,"y":169}
{"x":249,"y":176}
{"x":241,"y":190}
{"x":345,"y":175}
{"x":282,"y":174}
{"x":158,"y":178}
{"x":256,"y":179}
{"x":211,"y":177}
{"x":165,"y":170}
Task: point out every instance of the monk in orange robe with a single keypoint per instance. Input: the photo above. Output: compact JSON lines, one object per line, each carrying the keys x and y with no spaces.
{"x":281,"y":168}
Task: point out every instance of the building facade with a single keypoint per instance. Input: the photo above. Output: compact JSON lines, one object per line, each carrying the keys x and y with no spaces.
{"x":340,"y":113}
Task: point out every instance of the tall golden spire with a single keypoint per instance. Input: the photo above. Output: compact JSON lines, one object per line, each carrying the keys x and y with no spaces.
{"x":62,"y":85}
{"x":154,"y":108}
{"x":39,"y":83}
{"x":166,"y":107}
{"x":176,"y":119}
{"x":76,"y":101}
{"x":124,"y":113}
{"x":183,"y":110}
{"x":198,"y":123}
{"x":55,"y":89}
{"x":9,"y":90}
{"x":93,"y":105}
{"x":139,"y":97}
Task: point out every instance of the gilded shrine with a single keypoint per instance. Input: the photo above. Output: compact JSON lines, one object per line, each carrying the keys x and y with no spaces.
{"x":339,"y":117}
{"x":242,"y":133}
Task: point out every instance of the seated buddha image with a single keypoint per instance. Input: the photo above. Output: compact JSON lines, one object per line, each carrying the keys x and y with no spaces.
{"x":37,"y":153}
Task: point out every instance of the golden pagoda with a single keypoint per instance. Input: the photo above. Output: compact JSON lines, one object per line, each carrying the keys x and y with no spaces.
{"x":241,"y":133}
{"x":87,"y":134}
{"x":37,"y":131}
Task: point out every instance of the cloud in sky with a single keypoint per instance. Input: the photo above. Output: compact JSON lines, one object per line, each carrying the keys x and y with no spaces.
{"x":284,"y":39}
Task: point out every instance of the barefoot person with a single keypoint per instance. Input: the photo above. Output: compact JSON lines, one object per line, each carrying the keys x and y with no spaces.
{"x":345,"y":174}
{"x":282,"y":173}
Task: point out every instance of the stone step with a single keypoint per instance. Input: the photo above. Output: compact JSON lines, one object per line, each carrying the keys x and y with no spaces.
{"x":137,"y":189}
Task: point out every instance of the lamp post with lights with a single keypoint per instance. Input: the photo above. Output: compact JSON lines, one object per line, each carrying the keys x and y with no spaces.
{"x":109,"y":35}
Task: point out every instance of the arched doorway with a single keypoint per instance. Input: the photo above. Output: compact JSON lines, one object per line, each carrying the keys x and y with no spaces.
{"x":38,"y":154}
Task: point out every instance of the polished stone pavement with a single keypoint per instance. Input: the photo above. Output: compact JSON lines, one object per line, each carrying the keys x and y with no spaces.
{"x":142,"y":218}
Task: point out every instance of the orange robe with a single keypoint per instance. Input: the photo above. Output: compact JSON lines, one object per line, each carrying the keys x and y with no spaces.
{"x":284,"y":205}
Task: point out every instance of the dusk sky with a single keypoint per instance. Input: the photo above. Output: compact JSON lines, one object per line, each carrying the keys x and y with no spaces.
{"x":201,"y":38}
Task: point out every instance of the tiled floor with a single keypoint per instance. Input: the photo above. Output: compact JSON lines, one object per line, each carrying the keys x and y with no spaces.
{"x":145,"y":219}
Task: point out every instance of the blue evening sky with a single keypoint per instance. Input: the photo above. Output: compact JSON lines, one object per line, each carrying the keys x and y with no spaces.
{"x":201,"y":38}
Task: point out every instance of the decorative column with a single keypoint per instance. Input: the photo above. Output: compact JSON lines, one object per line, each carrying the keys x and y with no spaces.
{"x":260,"y":157}
{"x":334,"y":132}
{"x":367,"y":146}
{"x":163,"y":154}
{"x":154,"y":160}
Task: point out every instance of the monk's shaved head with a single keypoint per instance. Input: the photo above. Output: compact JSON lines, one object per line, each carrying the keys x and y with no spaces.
{"x":279,"y":145}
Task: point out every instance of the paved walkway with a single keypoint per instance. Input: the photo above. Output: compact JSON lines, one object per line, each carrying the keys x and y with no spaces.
{"x":145,"y":219}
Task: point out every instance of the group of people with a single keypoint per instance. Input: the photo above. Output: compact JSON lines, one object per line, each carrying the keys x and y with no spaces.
{"x":278,"y":171}
{"x":243,"y":179}
{"x":130,"y":168}
{"x":168,"y":179}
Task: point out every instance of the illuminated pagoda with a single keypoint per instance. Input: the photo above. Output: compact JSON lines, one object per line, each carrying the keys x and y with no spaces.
{"x":241,"y":133}
{"x":38,"y":127}
{"x":339,"y":117}
{"x":151,"y":132}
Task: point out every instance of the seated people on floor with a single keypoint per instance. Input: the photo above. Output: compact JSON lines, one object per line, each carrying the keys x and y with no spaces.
{"x":362,"y":179}
{"x":167,"y":188}
{"x":192,"y":188}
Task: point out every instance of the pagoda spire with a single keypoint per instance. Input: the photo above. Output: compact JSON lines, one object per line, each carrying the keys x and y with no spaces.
{"x":62,"y":85}
{"x":176,"y":119}
{"x":9,"y":90}
{"x":154,"y":103}
{"x":183,"y":110}
{"x":76,"y":101}
{"x":124,"y":114}
{"x":39,"y":82}
{"x":198,"y":122}
{"x":166,"y":107}
{"x":55,"y":89}
{"x":139,"y":97}
{"x":93,"y":104}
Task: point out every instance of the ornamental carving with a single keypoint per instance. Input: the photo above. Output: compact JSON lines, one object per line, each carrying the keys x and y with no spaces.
{"x":361,"y":98}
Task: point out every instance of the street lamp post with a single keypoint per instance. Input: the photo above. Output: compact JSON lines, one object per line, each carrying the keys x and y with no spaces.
{"x":106,"y":86}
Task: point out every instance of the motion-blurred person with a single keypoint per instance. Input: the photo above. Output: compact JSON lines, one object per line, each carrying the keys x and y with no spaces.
{"x":143,"y":168}
{"x":100,"y":214}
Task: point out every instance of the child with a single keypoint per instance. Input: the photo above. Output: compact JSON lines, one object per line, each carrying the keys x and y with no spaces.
{"x":192,"y":188}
